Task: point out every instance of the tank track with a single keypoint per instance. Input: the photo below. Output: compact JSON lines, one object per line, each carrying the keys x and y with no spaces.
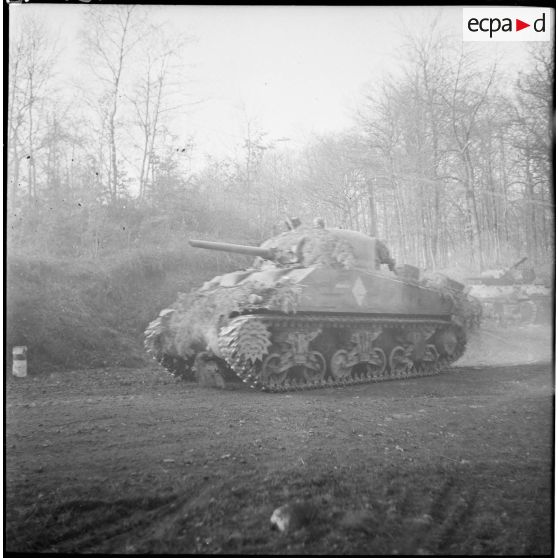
{"x":249,"y":371}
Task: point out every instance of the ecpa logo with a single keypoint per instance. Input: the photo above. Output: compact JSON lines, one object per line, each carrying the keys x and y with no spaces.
{"x":507,"y":24}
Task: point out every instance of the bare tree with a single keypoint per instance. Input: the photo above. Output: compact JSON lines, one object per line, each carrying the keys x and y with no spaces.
{"x":155,"y":93}
{"x":33,"y":53}
{"x":534,"y":136}
{"x":109,"y":38}
{"x":468,"y":95}
{"x":430,"y":127}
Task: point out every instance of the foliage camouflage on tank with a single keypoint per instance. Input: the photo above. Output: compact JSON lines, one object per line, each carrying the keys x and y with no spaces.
{"x":513,"y":296}
{"x":316,"y":309}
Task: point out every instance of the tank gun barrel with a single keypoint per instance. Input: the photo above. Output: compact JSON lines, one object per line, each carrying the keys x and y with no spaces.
{"x":265,"y":253}
{"x":517,"y":264}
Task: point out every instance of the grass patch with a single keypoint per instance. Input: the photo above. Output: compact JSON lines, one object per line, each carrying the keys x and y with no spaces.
{"x":85,"y":313}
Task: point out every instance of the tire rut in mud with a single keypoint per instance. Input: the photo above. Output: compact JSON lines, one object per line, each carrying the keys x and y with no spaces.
{"x":87,"y":523}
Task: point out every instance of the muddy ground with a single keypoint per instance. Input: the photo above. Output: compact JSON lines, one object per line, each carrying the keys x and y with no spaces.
{"x":134,"y":461}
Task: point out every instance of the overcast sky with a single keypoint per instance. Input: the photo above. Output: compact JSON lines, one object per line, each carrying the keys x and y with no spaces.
{"x":292,"y":70}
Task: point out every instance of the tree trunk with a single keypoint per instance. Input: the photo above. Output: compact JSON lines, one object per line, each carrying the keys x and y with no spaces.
{"x":31,"y":154}
{"x":373,"y":217}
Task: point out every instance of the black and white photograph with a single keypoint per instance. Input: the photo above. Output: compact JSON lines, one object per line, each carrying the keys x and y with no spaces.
{"x":279,"y":279}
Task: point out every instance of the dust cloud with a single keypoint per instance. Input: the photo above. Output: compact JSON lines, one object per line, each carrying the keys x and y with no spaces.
{"x":493,"y":346}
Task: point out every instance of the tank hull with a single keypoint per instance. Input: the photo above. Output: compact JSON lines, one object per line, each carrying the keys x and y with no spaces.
{"x":349,"y":291}
{"x":514,"y":304}
{"x":349,"y":326}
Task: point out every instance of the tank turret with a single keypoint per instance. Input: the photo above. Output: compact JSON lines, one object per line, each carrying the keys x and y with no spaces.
{"x":317,"y":307}
{"x":309,"y":246}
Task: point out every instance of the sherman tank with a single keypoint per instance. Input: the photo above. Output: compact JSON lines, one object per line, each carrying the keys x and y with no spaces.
{"x":318,"y":307}
{"x":513,"y":296}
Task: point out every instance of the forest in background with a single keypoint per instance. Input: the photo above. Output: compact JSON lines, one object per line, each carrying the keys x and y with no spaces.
{"x":448,"y":162}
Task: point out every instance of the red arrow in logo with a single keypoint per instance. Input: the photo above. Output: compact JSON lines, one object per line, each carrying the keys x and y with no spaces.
{"x":519,"y":25}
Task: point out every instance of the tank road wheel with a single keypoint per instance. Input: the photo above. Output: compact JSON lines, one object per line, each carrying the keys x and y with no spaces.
{"x":399,"y":362}
{"x":340,"y":368}
{"x":429,"y":362}
{"x":315,"y":368}
{"x":272,"y":374}
{"x":377,"y":364}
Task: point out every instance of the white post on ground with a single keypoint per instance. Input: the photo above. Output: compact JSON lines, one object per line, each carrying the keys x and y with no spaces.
{"x":19,"y":367}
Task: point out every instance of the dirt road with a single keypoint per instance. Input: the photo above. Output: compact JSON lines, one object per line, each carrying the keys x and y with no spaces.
{"x":134,"y":461}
